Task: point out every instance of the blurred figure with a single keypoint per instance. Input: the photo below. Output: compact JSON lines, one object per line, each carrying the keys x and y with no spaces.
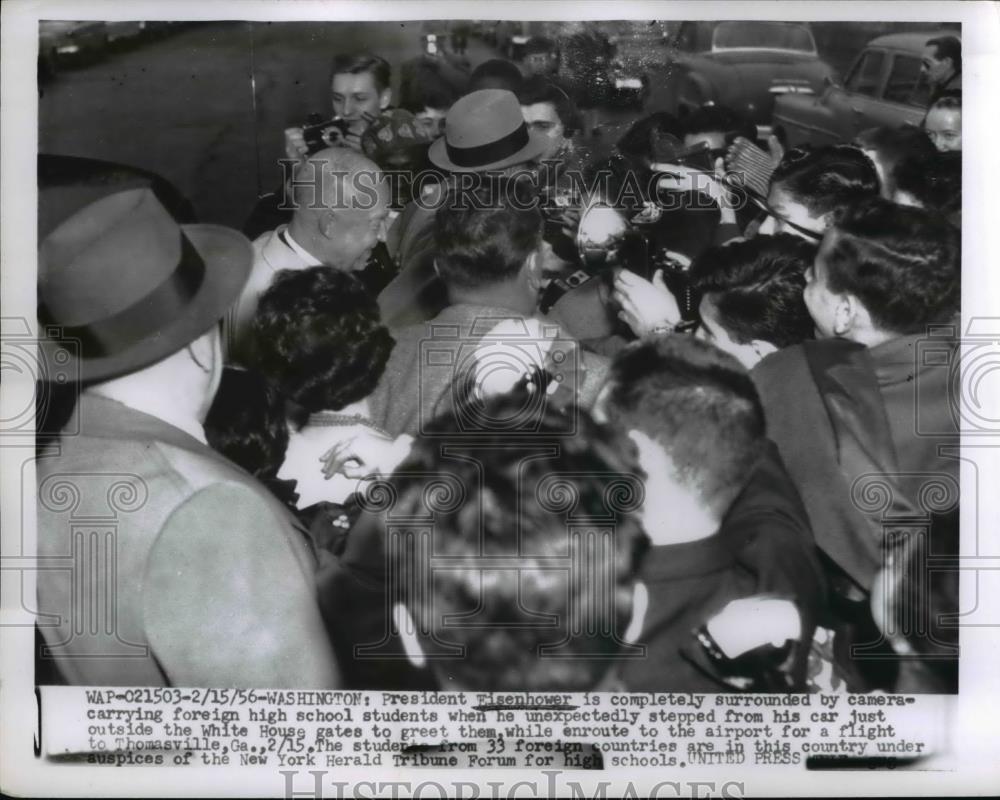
{"x":341,"y":204}
{"x":496,"y":73}
{"x":885,"y":284}
{"x":695,"y":417}
{"x":398,"y":143}
{"x":889,"y":147}
{"x":943,"y":122}
{"x":151,"y":369}
{"x":915,"y":606}
{"x":942,"y":65}
{"x":715,"y":127}
{"x":507,"y":510}
{"x":359,"y":92}
{"x":541,"y":57}
{"x":809,"y":187}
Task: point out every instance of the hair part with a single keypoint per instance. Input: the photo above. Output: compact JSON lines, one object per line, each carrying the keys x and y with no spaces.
{"x":756,"y":286}
{"x":902,"y":263}
{"x":699,"y":404}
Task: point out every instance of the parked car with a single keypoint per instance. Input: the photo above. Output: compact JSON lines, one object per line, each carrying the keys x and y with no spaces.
{"x":745,"y":65}
{"x":122,"y":32}
{"x":61,"y":43}
{"x":885,"y":86}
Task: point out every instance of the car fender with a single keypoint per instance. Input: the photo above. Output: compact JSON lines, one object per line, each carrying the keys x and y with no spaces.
{"x":804,"y":120}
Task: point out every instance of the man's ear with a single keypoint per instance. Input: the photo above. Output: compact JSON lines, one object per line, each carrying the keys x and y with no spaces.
{"x":640,"y":604}
{"x":408,"y":633}
{"x":849,"y":315}
{"x":384,"y":99}
{"x":328,"y":225}
{"x":437,"y":271}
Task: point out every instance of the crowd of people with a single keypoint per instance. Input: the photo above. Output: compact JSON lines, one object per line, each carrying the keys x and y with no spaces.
{"x":416,"y":434}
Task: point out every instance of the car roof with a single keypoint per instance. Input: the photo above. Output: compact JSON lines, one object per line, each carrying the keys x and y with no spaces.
{"x":911,"y":41}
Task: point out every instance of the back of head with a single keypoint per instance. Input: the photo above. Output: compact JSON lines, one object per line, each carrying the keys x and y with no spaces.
{"x":827,"y":179}
{"x":358,"y":63}
{"x":948,"y":101}
{"x":328,"y":179}
{"x":891,"y":146}
{"x":485,"y":238}
{"x":902,"y":263}
{"x":246,"y":423}
{"x":513,"y":504}
{"x":699,"y":404}
{"x":538,"y":89}
{"x":319,"y":338}
{"x":935,"y":182}
{"x":496,"y":73}
{"x":756,"y":287}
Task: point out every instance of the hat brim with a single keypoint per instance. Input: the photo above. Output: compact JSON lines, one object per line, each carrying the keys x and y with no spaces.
{"x":228,"y":258}
{"x":537,"y":142}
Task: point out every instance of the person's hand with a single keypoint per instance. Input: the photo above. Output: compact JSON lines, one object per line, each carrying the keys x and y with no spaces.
{"x":295,"y":144}
{"x":365,"y":453}
{"x":645,"y":306}
{"x":681,"y":178}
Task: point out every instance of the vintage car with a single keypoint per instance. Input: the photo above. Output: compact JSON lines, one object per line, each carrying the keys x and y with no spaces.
{"x":62,"y":43}
{"x":745,"y":65}
{"x":885,"y":86}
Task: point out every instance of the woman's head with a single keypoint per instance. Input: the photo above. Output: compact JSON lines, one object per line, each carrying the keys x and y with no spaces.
{"x":809,"y":187}
{"x":943,"y":123}
{"x":319,"y":338}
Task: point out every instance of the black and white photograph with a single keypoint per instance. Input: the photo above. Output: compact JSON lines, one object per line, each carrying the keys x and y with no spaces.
{"x":600,"y":400}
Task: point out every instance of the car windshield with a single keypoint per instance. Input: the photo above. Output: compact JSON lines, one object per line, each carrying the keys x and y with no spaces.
{"x":765,"y":35}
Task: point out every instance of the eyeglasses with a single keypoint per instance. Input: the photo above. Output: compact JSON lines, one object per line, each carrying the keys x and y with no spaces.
{"x":767,"y":210}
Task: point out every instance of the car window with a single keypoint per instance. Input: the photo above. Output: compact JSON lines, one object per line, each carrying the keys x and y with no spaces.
{"x":907,"y":83}
{"x":759,"y":34}
{"x":864,"y":78}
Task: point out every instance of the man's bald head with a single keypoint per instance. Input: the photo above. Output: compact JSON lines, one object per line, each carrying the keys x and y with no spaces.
{"x":341,"y":202}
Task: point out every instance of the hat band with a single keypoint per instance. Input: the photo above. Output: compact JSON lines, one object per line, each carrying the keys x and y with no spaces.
{"x":488,"y":153}
{"x":145,"y":317}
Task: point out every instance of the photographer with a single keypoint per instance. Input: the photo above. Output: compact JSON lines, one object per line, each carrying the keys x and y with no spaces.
{"x":359,"y":92}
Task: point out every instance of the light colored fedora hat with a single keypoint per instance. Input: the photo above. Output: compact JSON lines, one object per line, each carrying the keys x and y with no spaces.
{"x":485,"y":130}
{"x":121,"y":285}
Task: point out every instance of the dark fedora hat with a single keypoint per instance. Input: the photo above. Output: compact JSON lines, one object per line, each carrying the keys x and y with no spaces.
{"x":485,"y":130}
{"x":121,"y":285}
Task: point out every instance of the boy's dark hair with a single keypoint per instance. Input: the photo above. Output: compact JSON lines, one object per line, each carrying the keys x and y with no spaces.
{"x":358,"y":63}
{"x":902,"y":263}
{"x":949,"y":101}
{"x":496,"y":73}
{"x":827,"y":179}
{"x":319,"y":338}
{"x":935,"y":182}
{"x":557,"y":517}
{"x":537,"y":89}
{"x":484,"y":238}
{"x":246,"y":423}
{"x":718,"y":119}
{"x":947,"y":47}
{"x":699,"y":404}
{"x":895,"y":145}
{"x":428,"y":93}
{"x":756,"y":287}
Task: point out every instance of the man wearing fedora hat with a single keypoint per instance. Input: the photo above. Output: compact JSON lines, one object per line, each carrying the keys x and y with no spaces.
{"x":162,"y":562}
{"x":485,"y":132}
